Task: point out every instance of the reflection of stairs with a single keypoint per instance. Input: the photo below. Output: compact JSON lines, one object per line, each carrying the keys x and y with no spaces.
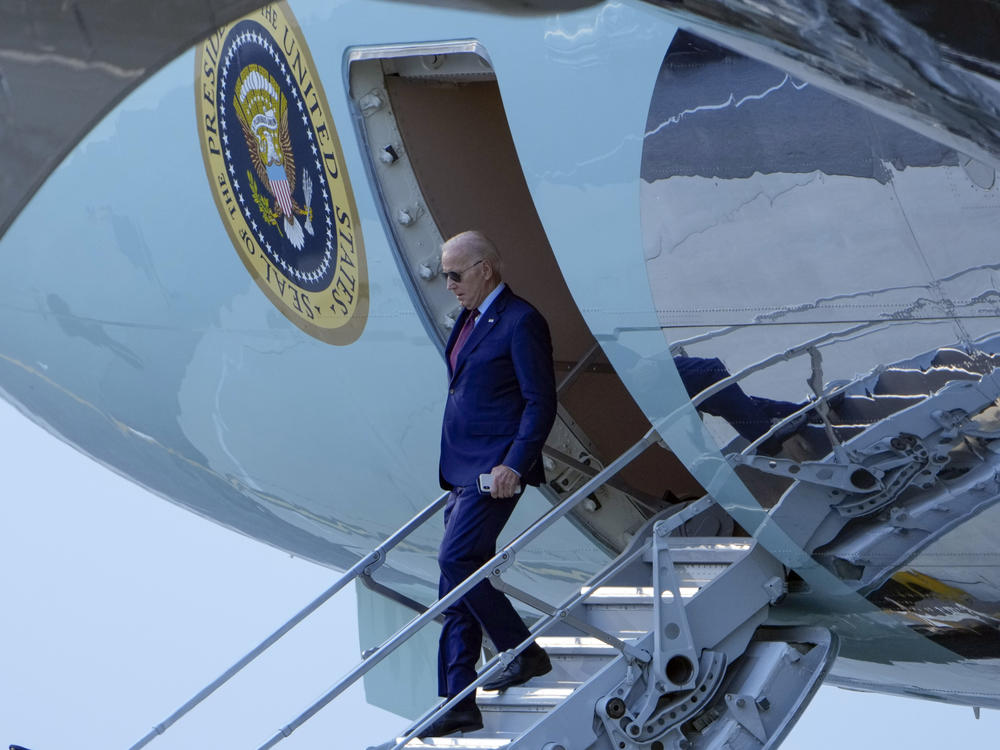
{"x":918,"y":455}
{"x":721,"y":677}
{"x":892,"y":389}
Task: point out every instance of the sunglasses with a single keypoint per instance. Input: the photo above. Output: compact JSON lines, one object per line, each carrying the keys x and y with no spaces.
{"x":456,"y":276}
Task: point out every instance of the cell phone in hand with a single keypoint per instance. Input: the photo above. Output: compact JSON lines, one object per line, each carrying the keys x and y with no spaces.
{"x":485,"y":483}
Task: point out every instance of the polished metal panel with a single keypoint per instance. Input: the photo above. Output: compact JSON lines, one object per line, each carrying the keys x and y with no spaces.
{"x":64,"y":65}
{"x":843,"y":264}
{"x":929,"y":63}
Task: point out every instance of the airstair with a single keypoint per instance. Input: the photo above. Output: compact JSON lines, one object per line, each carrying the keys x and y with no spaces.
{"x":667,"y":652}
{"x":665,"y":648}
{"x":909,"y":452}
{"x":668,"y":647}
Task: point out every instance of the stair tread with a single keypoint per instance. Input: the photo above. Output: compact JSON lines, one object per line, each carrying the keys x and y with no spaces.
{"x":465,"y":742}
{"x":525,"y":696}
{"x":572,"y":646}
{"x":609,"y":595}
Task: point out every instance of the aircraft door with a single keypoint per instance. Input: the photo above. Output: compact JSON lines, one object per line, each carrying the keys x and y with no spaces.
{"x":444,"y":161}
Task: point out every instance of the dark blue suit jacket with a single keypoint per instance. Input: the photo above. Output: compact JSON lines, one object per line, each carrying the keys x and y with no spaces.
{"x":501,"y":396}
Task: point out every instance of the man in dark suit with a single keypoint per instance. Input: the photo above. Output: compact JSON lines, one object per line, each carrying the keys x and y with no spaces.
{"x":500,"y":409}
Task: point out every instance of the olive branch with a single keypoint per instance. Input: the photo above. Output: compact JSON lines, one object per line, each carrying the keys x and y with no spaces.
{"x":269,"y":216}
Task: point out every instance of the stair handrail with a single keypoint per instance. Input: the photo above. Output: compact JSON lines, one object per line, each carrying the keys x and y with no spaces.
{"x":806,"y":347}
{"x":795,"y":351}
{"x":776,"y":427}
{"x":543,"y":624}
{"x":407,"y":631}
{"x":363,"y":567}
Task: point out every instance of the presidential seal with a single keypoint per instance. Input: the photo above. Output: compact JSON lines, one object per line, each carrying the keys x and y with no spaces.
{"x":276,"y":170}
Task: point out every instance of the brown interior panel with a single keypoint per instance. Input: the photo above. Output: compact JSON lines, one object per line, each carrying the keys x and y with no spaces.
{"x":459,"y":145}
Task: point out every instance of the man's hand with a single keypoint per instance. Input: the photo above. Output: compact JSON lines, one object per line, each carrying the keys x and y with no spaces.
{"x":505,"y":481}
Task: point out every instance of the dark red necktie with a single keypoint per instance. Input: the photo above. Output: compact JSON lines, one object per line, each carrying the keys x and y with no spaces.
{"x":463,"y":336}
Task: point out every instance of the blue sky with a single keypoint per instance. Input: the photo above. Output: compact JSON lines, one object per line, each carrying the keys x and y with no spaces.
{"x":118,"y":606}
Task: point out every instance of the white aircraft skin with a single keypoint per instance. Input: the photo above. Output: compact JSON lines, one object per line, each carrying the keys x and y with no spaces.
{"x":132,"y":330}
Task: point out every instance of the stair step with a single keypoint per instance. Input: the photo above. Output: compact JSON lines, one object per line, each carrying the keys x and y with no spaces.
{"x":463,"y":741}
{"x":711,"y":551}
{"x":864,"y":411}
{"x":533,"y":699}
{"x":518,"y":708}
{"x":616,"y":596}
{"x":917,"y":382}
{"x":575,"y":646}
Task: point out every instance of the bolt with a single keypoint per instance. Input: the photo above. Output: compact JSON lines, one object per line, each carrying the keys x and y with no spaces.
{"x":404,"y":217}
{"x":615,"y":708}
{"x":388,"y":155}
{"x":741,"y":703}
{"x":370,"y":103}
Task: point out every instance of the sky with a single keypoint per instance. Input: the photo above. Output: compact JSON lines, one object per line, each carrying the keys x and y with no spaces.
{"x":119,"y":606}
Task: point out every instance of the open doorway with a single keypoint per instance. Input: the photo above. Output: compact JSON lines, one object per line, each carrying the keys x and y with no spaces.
{"x":441,"y":154}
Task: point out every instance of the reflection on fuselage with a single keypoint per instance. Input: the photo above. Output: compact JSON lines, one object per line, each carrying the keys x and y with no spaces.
{"x":859,"y":266}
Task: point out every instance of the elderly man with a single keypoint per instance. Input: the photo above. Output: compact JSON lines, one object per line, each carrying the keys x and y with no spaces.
{"x":500,"y":409}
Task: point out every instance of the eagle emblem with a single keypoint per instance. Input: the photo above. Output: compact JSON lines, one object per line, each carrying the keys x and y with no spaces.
{"x":278,"y":175}
{"x":262,"y":110}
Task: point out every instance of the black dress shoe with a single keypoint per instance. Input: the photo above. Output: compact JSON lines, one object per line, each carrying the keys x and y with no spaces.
{"x":529,"y":663}
{"x":455,"y":720}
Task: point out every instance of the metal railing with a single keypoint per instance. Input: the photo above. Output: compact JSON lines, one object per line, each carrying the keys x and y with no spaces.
{"x":494,"y":566}
{"x":363,"y":567}
{"x":374,"y":559}
{"x":560,"y":613}
{"x":810,"y":347}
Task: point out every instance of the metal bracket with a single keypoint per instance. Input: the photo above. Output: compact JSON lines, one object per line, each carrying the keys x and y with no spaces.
{"x":507,"y":559}
{"x":674,"y":654}
{"x":378,"y":559}
{"x":624,"y":728}
{"x":822,"y":405}
{"x":776,"y":589}
{"x":957,"y":422}
{"x":848,"y":477}
{"x":674,"y":666}
{"x":919,"y":466}
{"x":744,"y":710}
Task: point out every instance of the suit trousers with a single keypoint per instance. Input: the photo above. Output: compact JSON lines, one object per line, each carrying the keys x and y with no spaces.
{"x":472,"y":523}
